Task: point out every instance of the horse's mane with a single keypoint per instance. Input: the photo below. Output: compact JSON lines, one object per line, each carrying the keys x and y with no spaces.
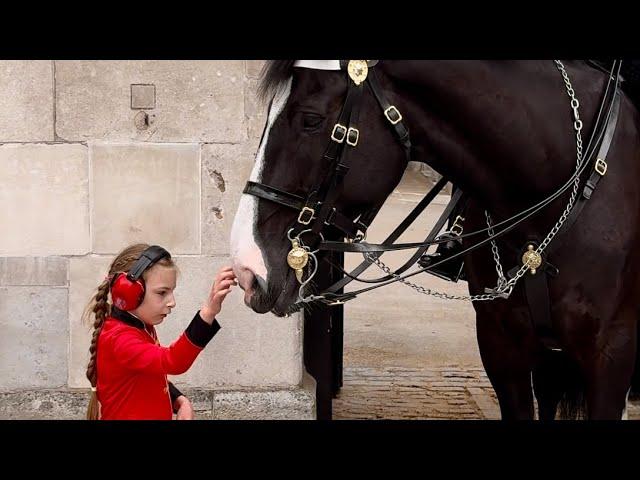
{"x":274,"y":74}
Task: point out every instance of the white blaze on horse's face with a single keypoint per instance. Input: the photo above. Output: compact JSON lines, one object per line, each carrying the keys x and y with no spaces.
{"x":245,"y":253}
{"x":318,"y":64}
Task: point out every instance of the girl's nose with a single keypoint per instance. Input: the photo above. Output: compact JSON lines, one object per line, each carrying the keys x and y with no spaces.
{"x":172,"y":302}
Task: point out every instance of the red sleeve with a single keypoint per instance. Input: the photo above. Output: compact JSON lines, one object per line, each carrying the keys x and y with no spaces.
{"x":134,"y":352}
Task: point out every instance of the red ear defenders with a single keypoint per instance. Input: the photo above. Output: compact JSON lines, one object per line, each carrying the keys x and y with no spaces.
{"x":127,"y":289}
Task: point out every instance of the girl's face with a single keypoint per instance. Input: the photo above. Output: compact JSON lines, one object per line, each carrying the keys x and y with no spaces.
{"x":160,"y":282}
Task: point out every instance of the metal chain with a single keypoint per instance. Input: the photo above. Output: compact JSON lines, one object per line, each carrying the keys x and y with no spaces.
{"x":427,"y":291}
{"x":494,"y":248}
{"x":504,"y":288}
{"x":577,"y":126}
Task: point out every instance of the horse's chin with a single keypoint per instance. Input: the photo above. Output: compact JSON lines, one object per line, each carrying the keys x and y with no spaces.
{"x":260,"y":301}
{"x":282,"y":306}
{"x":259,"y":306}
{"x":279,"y":309}
{"x":283,"y":309}
{"x":278,"y":313}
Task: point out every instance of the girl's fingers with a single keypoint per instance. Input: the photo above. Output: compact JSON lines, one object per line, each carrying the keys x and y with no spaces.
{"x":221,"y":294}
{"x":225,"y":284}
{"x":227,"y":276}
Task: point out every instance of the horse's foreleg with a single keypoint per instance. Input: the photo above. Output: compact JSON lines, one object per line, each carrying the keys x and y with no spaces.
{"x":507,"y":362}
{"x":547,"y":385}
{"x":608,"y":374}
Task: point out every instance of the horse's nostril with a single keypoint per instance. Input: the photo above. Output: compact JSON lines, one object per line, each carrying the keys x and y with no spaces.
{"x":246,"y":279}
{"x":254,"y":287}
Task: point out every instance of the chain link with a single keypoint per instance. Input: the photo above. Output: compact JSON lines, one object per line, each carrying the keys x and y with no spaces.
{"x":496,"y":255}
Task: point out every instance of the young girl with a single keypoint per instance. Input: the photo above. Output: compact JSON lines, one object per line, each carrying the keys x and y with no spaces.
{"x":128,"y":367}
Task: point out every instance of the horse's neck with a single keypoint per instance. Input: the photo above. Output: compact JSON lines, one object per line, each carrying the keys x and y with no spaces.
{"x":501,"y":130}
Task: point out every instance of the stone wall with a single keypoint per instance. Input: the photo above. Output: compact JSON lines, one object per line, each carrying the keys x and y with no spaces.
{"x":95,"y":155}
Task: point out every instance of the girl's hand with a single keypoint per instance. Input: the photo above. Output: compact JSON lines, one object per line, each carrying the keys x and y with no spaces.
{"x":221,"y":287}
{"x":185,"y":409}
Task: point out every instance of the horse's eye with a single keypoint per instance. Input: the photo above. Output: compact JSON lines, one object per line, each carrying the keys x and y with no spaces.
{"x":311,"y":121}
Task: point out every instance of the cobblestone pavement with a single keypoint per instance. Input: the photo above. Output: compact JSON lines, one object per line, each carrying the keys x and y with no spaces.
{"x":401,"y":393}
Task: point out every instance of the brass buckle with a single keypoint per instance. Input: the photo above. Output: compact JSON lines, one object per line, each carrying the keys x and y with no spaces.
{"x":340,"y":129}
{"x":456,"y":228}
{"x":395,"y":110}
{"x":355,"y":131}
{"x":601,"y":166}
{"x":311,"y":216}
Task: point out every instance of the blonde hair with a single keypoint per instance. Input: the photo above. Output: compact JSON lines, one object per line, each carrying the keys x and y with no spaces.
{"x":100,"y":308}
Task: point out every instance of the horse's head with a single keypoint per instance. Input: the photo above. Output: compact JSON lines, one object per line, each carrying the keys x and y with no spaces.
{"x":301,"y":148}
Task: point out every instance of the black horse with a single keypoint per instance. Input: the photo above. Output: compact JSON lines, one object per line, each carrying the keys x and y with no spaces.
{"x":505,"y":133}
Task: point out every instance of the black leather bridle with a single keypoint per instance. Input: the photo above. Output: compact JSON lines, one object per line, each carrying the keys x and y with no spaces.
{"x":318,"y":210}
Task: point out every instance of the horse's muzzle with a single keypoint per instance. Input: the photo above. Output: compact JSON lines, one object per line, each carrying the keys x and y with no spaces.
{"x":255,"y":295}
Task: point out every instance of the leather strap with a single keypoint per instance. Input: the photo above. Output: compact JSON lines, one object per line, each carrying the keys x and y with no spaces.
{"x":399,"y":230}
{"x":599,"y":168}
{"x":273,"y":194}
{"x":597,"y":172}
{"x":400,"y":130}
{"x":537,"y":293}
{"x":342,"y":168}
{"x":297,"y":203}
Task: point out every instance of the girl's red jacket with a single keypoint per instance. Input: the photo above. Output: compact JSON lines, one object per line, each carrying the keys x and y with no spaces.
{"x":133,"y":368}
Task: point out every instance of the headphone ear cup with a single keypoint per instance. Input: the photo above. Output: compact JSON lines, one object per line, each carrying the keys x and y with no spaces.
{"x":126,"y":294}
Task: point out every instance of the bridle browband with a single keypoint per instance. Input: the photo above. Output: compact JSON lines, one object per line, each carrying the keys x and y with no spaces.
{"x":318,"y":209}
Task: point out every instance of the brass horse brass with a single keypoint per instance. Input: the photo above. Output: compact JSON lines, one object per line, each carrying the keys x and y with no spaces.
{"x":358,"y":71}
{"x":297,"y":259}
{"x":532,"y":259}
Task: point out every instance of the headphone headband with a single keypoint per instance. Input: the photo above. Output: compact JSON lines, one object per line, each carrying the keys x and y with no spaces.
{"x":150,"y":256}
